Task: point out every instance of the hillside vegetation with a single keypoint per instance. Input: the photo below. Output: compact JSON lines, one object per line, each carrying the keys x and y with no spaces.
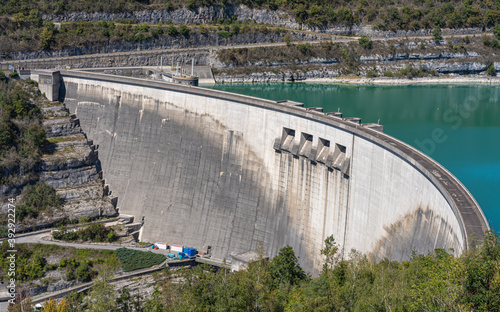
{"x":385,"y":14}
{"x":23,"y":29}
{"x":22,"y":136}
{"x":434,"y":282}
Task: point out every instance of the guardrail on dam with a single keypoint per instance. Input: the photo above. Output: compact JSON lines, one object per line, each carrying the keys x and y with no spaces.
{"x":206,"y":167}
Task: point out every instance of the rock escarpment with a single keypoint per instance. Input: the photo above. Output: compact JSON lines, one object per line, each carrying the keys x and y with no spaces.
{"x":243,"y":13}
{"x":69,"y":164}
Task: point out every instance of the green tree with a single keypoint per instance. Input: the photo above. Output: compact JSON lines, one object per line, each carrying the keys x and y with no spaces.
{"x":330,"y":253}
{"x":436,"y":33}
{"x":491,"y":70}
{"x":47,"y":35}
{"x":365,"y":42}
{"x":496,"y":31}
{"x":37,"y":198}
{"x":184,"y":30}
{"x":102,"y":296}
{"x":285,"y":268}
{"x":172,"y":31}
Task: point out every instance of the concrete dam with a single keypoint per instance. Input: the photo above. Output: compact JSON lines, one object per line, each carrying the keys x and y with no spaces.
{"x":203,"y":167}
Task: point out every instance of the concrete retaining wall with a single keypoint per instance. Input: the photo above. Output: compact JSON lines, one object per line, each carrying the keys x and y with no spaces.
{"x":205,"y":167}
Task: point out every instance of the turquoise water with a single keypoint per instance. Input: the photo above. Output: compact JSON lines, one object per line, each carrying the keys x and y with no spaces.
{"x":457,"y":125}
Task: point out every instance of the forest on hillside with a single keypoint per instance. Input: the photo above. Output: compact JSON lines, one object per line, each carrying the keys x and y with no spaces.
{"x":437,"y":281}
{"x":382,"y":14}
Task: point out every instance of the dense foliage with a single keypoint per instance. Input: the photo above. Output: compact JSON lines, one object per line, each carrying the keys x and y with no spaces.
{"x":21,"y":134}
{"x":135,"y":259}
{"x":29,"y":32}
{"x":78,"y":270}
{"x":433,"y":282}
{"x":35,"y":199}
{"x":95,"y":232}
{"x":32,"y":264}
{"x":385,"y":14}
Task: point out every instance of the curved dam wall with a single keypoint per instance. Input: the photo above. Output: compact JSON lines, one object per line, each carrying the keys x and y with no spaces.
{"x":205,"y":167}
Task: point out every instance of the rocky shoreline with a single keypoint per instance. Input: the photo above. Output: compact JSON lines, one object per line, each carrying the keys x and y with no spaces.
{"x":445,"y":79}
{"x":406,"y":81}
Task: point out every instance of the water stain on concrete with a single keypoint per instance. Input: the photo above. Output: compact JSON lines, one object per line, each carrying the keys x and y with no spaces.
{"x":421,"y":231}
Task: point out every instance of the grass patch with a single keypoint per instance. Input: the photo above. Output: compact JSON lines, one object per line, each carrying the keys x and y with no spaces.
{"x":65,"y":139}
{"x":134,"y":259}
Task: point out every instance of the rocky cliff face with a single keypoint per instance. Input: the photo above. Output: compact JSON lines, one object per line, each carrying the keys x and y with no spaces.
{"x":167,"y":42}
{"x":70,"y":164}
{"x":335,"y":71}
{"x":244,"y":13}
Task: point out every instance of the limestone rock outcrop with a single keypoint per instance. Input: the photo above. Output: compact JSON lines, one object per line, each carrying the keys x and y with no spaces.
{"x":69,"y":164}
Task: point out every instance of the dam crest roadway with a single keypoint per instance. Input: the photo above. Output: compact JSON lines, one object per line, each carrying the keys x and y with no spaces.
{"x":206,"y":167}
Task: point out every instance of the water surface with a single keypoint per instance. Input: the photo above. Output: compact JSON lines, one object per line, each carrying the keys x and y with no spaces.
{"x":457,"y":125}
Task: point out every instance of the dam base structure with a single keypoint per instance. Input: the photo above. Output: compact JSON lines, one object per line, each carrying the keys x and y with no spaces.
{"x":203,"y":167}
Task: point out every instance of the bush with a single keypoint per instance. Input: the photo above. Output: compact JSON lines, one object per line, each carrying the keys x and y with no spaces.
{"x":491,"y":70}
{"x":496,"y":31}
{"x":371,"y":73}
{"x":486,"y":41}
{"x":184,"y":30}
{"x":14,"y":75}
{"x":172,"y":31}
{"x":410,"y":72}
{"x":2,"y":76}
{"x":436,"y":32}
{"x":388,"y":73}
{"x":224,"y":34}
{"x":37,"y":198}
{"x":4,"y":231}
{"x":304,"y":48}
{"x":365,"y":42}
{"x":134,"y":259}
{"x":95,"y":232}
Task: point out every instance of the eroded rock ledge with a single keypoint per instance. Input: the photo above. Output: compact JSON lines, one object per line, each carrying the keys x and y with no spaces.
{"x":70,"y":164}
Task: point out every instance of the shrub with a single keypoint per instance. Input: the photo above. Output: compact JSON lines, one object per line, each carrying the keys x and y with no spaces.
{"x":491,"y":70}
{"x":14,"y":75}
{"x":496,"y":31}
{"x":184,"y":30}
{"x":224,"y":34}
{"x":436,"y":32}
{"x":172,"y":31}
{"x":486,"y":41}
{"x":37,"y":198}
{"x":2,"y":76}
{"x":365,"y":42}
{"x":4,"y":231}
{"x":304,"y":48}
{"x":134,"y":259}
{"x":388,"y":73}
{"x":494,"y":43}
{"x":371,"y":73}
{"x":410,"y":72}
{"x":95,"y":232}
